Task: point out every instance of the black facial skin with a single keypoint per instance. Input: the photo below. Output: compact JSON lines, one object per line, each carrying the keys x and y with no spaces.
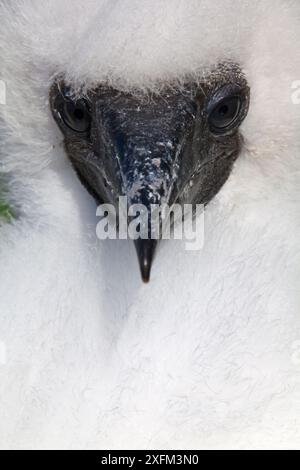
{"x":176,"y":146}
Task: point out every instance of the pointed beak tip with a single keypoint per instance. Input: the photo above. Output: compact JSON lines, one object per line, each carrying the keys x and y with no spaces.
{"x":145,"y":251}
{"x":145,"y":273}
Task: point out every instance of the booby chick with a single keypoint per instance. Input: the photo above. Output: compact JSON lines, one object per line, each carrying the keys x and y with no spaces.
{"x":177,"y":147}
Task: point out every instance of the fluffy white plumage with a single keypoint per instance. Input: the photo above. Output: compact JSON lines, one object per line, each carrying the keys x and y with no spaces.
{"x":206,"y":354}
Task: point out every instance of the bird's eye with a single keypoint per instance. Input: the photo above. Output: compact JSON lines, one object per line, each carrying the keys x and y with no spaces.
{"x":224,"y":115}
{"x":76,"y":115}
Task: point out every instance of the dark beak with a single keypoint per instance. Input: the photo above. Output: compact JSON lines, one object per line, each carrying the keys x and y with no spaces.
{"x":141,"y":147}
{"x":145,"y":251}
{"x":148,"y":177}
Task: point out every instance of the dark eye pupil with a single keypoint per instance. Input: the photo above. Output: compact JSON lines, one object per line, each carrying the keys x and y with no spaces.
{"x":76,"y":115}
{"x":223,"y":110}
{"x":224,"y":115}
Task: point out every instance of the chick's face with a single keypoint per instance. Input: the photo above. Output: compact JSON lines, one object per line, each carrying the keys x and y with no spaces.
{"x":176,"y":146}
